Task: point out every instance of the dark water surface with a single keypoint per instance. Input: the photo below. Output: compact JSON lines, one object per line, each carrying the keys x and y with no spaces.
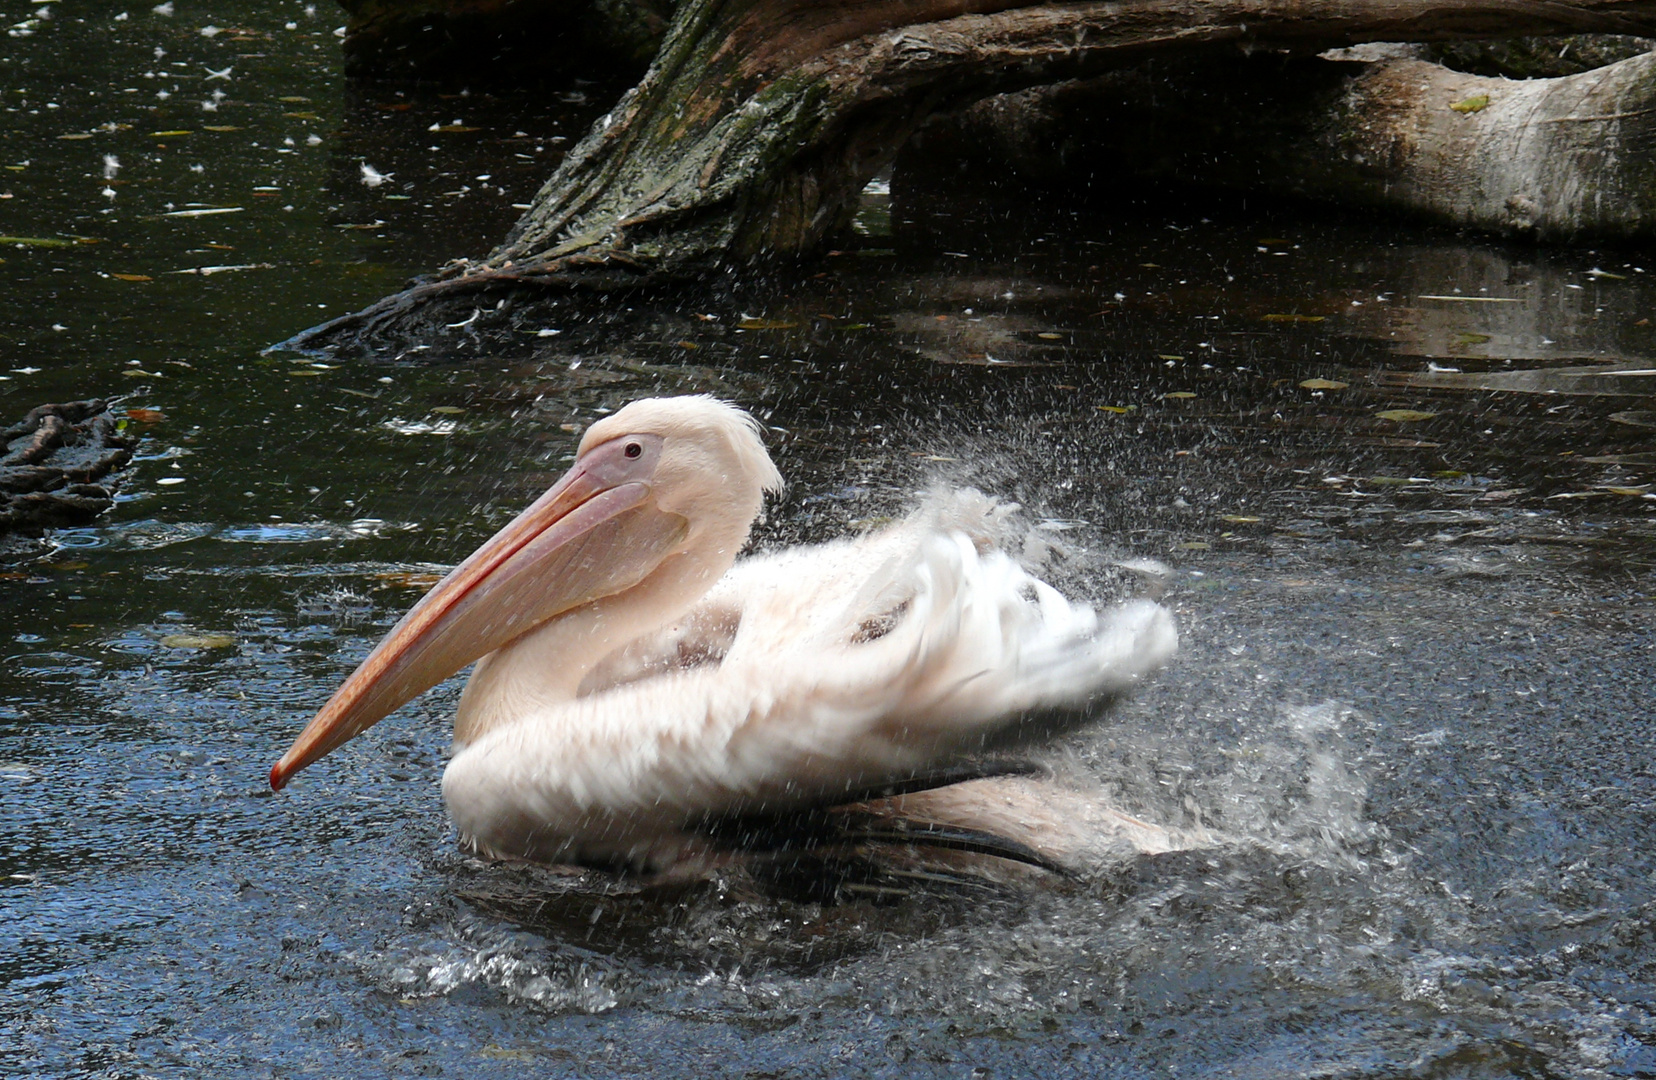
{"x":1410,"y":717}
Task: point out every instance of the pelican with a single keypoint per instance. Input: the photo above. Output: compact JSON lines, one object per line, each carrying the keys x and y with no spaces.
{"x":637,"y":689}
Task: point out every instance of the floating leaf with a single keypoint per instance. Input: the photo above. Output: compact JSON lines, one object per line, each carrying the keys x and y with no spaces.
{"x":146,"y":416}
{"x":220,"y":127}
{"x":1240,"y":519}
{"x":1628,"y":490}
{"x":1050,"y":337}
{"x":77,"y":136}
{"x":198,"y":641}
{"x":1404,"y":416}
{"x":301,"y":116}
{"x":301,"y":372}
{"x":1470,"y":339}
{"x":204,"y":211}
{"x":1168,"y":356}
{"x":208,"y":271}
{"x":1470,"y":299}
{"x":294,"y":99}
{"x":1179,"y":395}
{"x":1323,"y":384}
{"x":1388,"y":481}
{"x":1595,"y":272}
{"x":1195,"y":545}
{"x":140,"y":373}
{"x":1293,"y":318}
{"x":1475,"y":103}
{"x":765,"y":324}
{"x":1119,"y":410}
{"x":449,"y":128}
{"x":37,"y":241}
{"x":169,"y":134}
{"x":403,"y":580}
{"x":448,"y":410}
{"x":131,"y":277}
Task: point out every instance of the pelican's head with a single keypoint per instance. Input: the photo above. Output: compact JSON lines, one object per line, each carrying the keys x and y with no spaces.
{"x":707,"y":463}
{"x":665,"y":487}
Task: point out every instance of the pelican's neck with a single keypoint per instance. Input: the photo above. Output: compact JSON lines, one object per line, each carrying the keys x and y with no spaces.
{"x":546,"y":665}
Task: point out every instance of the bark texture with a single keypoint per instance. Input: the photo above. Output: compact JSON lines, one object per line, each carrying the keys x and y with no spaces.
{"x":759,"y":121}
{"x":1556,"y":159}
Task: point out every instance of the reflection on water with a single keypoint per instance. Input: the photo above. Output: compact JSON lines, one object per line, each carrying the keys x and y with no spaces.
{"x":1404,"y":480}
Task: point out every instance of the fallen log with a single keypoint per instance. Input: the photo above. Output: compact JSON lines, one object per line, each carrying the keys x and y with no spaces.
{"x":1568,"y":158}
{"x":759,"y":121}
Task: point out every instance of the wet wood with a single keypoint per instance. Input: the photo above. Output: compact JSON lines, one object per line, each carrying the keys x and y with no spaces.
{"x":1566,"y":158}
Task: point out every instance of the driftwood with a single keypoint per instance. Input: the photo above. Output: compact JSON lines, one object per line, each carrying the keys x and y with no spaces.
{"x":760,"y":121}
{"x":51,"y":462}
{"x":1554,"y":159}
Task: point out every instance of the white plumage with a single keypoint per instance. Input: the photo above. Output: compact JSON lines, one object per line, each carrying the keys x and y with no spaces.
{"x":661,"y":686}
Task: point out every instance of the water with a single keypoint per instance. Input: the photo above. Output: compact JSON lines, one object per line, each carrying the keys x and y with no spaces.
{"x":1408,"y":718}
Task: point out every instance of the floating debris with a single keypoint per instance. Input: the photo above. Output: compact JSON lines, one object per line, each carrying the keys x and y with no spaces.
{"x":206,"y":271}
{"x":420,"y":427}
{"x":206,"y":211}
{"x":37,"y":241}
{"x":51,"y":460}
{"x":198,"y":641}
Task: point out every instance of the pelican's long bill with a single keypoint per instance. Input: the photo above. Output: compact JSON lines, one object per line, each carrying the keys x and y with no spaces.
{"x":595,"y":533}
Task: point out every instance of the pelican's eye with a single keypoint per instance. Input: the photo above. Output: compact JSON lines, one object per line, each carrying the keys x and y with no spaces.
{"x":632,"y":450}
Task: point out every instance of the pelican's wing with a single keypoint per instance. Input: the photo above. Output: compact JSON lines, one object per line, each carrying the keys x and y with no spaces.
{"x":938,"y":651}
{"x":946,"y":650}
